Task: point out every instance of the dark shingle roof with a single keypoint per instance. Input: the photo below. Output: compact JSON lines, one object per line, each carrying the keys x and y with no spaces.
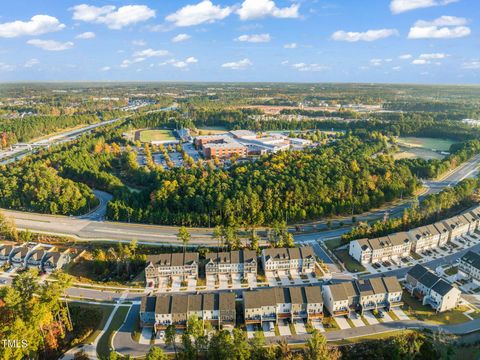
{"x":442,"y":287}
{"x":429,"y":279}
{"x":417,"y":271}
{"x":472,"y":258}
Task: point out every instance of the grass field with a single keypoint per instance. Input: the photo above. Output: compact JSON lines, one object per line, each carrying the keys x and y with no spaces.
{"x":103,"y":347}
{"x":426,"y":143}
{"x":211,"y":130}
{"x":156,"y":135}
{"x":350,"y":264}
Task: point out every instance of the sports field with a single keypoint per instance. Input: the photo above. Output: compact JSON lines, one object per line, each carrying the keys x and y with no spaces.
{"x":154,"y":135}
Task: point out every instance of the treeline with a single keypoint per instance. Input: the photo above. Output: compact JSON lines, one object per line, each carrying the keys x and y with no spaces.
{"x":349,"y":176}
{"x":31,"y":127}
{"x":430,"y":169}
{"x":433,"y":208}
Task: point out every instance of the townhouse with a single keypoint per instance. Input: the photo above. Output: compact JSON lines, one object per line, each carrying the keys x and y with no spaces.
{"x":457,"y":226}
{"x":424,"y":238}
{"x":289,"y":303}
{"x":163,"y":310}
{"x":18,"y":256}
{"x":392,"y":247}
{"x":5,"y":251}
{"x":431,"y":290}
{"x":469,"y":266}
{"x":362,"y":295}
{"x":54,"y":260}
{"x":168,"y":265}
{"x":34,"y":259}
{"x":300,"y":259}
{"x":242,"y":262}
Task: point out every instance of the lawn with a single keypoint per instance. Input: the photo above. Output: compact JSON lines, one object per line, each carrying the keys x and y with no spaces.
{"x":451,"y":271}
{"x":333,"y":244}
{"x":87,"y":328}
{"x":350,"y":263}
{"x":104,"y":344}
{"x":426,"y":143}
{"x":156,"y":135}
{"x":378,"y":336}
{"x":414,"y":308}
{"x":415,"y":255}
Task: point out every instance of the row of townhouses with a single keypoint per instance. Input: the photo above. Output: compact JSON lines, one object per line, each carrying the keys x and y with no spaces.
{"x":31,"y":257}
{"x":360,"y":295}
{"x":241,"y":262}
{"x":399,"y":245}
{"x":469,"y":266}
{"x":163,"y":310}
{"x":273,"y":304}
{"x":431,"y":289}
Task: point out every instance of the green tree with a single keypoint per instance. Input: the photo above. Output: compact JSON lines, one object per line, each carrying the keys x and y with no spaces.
{"x":317,"y":348}
{"x":170,"y":337}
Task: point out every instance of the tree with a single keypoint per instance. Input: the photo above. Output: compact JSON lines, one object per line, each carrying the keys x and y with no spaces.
{"x":317,"y":348}
{"x":8,"y":229}
{"x":170,"y":337}
{"x":184,"y":236}
{"x":155,"y":353}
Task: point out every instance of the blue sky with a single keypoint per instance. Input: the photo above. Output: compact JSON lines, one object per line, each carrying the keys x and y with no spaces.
{"x":414,"y":41}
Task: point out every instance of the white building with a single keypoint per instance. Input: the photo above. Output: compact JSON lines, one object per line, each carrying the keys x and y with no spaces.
{"x":301,"y":259}
{"x":469,"y":266}
{"x":368,"y":251}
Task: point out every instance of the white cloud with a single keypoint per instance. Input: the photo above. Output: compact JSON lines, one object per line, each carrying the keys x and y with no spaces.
{"x":37,"y":25}
{"x":405,"y":56}
{"x":290,"y":46}
{"x":148,"y":53}
{"x":308,"y":67}
{"x":181,"y":37}
{"x":376,"y":62}
{"x":191,"y":60}
{"x":433,"y":56}
{"x":51,"y":45}
{"x":471,"y":65}
{"x":6,"y":67}
{"x":257,"y":9}
{"x":31,"y":63}
{"x":238,"y":65}
{"x":180,"y":64}
{"x":370,"y":35}
{"x":105,"y":68}
{"x":396,"y":68}
{"x":85,"y":35}
{"x":255,"y":38}
{"x":139,"y":43}
{"x":203,"y":12}
{"x":399,"y":6}
{"x":111,"y":16}
{"x":420,"y":62}
{"x":444,"y":27}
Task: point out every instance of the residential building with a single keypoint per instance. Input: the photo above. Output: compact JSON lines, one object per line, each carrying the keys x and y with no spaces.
{"x":431,"y":290}
{"x":168,"y":265}
{"x":5,"y":251}
{"x":457,"y":226}
{"x":163,"y":310}
{"x":444,"y":233}
{"x":18,"y":256}
{"x":54,"y":260}
{"x":424,"y":238}
{"x":241,"y":262}
{"x":289,"y":303}
{"x":301,"y":259}
{"x":361,"y":295}
{"x":35,"y":258}
{"x":469,"y":266}
{"x":392,"y":247}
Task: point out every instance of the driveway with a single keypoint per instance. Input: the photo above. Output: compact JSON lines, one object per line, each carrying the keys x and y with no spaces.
{"x":223,"y":280}
{"x":237,"y":281}
{"x":176,"y":283}
{"x":357,"y":321}
{"x":146,"y":335}
{"x":386,"y":316}
{"x":400,"y":314}
{"x":342,"y":322}
{"x":252,"y":280}
{"x":371,"y":319}
{"x":250,"y":331}
{"x":284,"y":328}
{"x":317,"y":324}
{"x":300,"y":328}
{"x":210,"y":282}
{"x":266,"y":331}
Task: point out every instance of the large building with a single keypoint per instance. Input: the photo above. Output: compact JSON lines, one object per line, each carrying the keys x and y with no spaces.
{"x":368,"y":251}
{"x":469,"y":266}
{"x":220,"y":146}
{"x":432,"y":290}
{"x":361,"y":295}
{"x":163,"y":310}
{"x":242,"y":262}
{"x":289,"y":303}
{"x":301,"y":259}
{"x":168,"y":265}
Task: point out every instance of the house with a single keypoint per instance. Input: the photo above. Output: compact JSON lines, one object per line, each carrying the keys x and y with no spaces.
{"x":362,"y":295}
{"x":424,"y":238}
{"x":444,"y":233}
{"x":300,"y":259}
{"x":289,"y":303}
{"x":168,"y":265}
{"x":469,"y":266}
{"x":163,"y":310}
{"x":240,"y":262}
{"x":431,"y":289}
{"x":35,"y":258}
{"x":18,"y":256}
{"x":5,"y":251}
{"x":457,"y":226}
{"x":54,"y":260}
{"x":392,"y":247}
